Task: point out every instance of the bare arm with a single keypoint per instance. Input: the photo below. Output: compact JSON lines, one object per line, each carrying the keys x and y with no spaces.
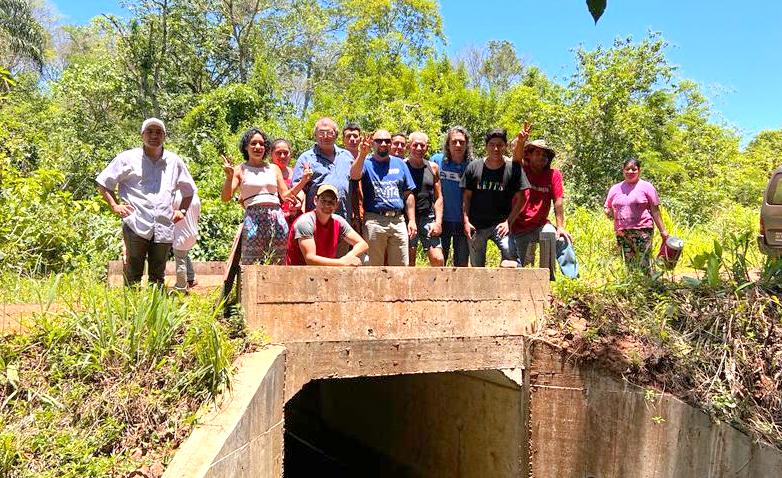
{"x":286,"y":193}
{"x":437,"y":227}
{"x":412,"y":229}
{"x":121,"y":210}
{"x":466,"y":199}
{"x":357,"y":169}
{"x":233,"y":176}
{"x":658,"y":220}
{"x":360,"y":246}
{"x":559,"y":217}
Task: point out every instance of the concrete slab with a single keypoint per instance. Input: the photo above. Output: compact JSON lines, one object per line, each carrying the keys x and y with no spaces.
{"x":208,"y":273}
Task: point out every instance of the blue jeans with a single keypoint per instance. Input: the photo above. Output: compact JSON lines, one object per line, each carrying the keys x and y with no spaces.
{"x":480,"y":239}
{"x":454,"y":231}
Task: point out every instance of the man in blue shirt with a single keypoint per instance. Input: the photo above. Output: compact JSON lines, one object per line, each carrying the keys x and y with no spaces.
{"x":388,"y":187}
{"x":456,"y":155}
{"x":330,"y":164}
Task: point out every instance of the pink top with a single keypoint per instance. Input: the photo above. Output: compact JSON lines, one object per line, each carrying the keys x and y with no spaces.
{"x":632,"y":204}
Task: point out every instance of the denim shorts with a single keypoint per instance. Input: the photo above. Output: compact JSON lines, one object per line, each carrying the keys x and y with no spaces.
{"x":424,"y":224}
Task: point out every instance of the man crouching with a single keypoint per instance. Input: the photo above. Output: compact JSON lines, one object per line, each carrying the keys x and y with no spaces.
{"x":314,"y":237}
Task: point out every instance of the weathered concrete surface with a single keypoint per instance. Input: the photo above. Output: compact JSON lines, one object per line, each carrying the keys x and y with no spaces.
{"x":308,"y":304}
{"x":464,"y":424}
{"x":315,"y":360}
{"x":208,"y":273}
{"x":244,"y":438}
{"x":586,"y":423}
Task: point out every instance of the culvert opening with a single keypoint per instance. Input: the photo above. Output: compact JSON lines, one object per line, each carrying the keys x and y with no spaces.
{"x":469,"y":423}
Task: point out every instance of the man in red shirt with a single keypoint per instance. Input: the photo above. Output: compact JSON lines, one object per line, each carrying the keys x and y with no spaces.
{"x":545,"y":189}
{"x":314,"y":236}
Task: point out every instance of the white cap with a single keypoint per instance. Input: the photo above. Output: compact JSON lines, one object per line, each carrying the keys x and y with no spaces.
{"x":151,"y":121}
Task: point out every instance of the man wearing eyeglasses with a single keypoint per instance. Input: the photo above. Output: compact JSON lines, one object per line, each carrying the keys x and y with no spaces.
{"x":315,"y":235}
{"x":330,"y":164}
{"x":388,"y":188}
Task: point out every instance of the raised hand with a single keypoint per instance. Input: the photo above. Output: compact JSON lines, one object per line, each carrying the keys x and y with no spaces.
{"x":523,"y":135}
{"x":365,"y":146}
{"x":306,"y":173}
{"x":228,"y":166}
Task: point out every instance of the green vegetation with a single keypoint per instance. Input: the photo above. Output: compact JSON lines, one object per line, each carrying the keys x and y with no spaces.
{"x":119,"y":371}
{"x":112,"y":383}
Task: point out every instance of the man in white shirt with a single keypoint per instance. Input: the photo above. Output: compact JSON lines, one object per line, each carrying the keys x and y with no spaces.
{"x":147,"y":179}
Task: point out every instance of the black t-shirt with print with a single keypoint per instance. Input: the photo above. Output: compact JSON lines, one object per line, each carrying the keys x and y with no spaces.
{"x":492,"y":191}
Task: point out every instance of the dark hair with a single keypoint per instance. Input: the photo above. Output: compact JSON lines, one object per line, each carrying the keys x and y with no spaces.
{"x":245,"y":141}
{"x":351,"y":126}
{"x":500,"y":133}
{"x":399,"y":134}
{"x":635,"y":161}
{"x":278,"y":141}
{"x":467,"y":146}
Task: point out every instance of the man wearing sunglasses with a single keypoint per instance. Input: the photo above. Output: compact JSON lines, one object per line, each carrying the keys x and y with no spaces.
{"x":388,"y":187}
{"x":314,"y":237}
{"x":330,"y":164}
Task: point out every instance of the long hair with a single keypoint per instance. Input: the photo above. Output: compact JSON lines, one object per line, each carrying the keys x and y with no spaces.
{"x":467,"y":146}
{"x":245,"y":141}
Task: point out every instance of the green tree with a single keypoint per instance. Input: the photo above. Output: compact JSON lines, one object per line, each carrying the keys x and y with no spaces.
{"x":20,"y":33}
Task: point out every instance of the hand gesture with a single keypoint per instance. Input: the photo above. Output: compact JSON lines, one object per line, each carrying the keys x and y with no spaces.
{"x":178,"y":216}
{"x":306,"y":174}
{"x":228,"y":166}
{"x":122,"y":210}
{"x":503,"y":229}
{"x":523,"y":135}
{"x":365,"y":146}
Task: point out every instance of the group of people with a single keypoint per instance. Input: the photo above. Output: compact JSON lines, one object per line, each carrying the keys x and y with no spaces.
{"x":372,"y":201}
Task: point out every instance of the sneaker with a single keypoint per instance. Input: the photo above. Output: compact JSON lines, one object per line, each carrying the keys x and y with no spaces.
{"x":192,"y":283}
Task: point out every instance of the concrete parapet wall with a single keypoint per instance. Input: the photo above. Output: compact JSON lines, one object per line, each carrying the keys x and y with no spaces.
{"x":208,"y":273}
{"x":586,"y":423}
{"x":243,"y":437}
{"x":307,"y":304}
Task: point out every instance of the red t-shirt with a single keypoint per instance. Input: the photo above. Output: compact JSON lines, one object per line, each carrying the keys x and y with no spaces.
{"x":326,"y":237}
{"x":545,"y":187}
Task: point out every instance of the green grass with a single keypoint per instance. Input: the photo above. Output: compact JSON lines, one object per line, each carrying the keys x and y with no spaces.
{"x":112,"y":382}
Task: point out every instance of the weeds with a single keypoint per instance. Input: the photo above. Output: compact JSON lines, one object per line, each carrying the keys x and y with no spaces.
{"x":111,"y":384}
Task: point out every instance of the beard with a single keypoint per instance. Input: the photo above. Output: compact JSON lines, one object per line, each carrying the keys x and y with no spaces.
{"x":382,"y":154}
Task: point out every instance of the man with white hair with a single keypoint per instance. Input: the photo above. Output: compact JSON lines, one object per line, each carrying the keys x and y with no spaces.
{"x":147,"y":178}
{"x":330,"y":164}
{"x":428,"y":201}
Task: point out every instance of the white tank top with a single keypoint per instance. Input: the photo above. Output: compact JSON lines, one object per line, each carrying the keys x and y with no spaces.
{"x":259,"y":186}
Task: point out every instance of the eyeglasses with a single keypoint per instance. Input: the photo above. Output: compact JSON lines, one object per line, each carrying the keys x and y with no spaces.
{"x":327,"y":133}
{"x":383,"y":141}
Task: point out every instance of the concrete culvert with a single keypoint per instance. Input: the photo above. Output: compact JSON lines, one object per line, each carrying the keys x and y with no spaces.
{"x":467,"y":424}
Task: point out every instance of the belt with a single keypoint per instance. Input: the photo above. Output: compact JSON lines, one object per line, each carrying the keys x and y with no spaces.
{"x":388,"y":213}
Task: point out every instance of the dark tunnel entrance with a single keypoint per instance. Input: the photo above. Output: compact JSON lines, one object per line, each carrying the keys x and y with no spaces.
{"x":465,"y":424}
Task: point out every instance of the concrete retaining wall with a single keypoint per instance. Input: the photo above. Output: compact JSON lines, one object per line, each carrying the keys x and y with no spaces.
{"x":208,"y":273}
{"x":585,"y":423}
{"x":243,"y":437}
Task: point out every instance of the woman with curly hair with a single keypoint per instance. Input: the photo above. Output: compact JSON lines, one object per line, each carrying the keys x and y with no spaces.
{"x":261,"y":185}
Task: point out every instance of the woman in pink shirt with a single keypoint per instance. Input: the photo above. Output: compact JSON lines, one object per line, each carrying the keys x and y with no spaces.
{"x":634,"y":206}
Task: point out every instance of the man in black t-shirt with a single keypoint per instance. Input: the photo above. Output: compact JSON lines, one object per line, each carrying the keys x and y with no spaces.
{"x":489,"y":188}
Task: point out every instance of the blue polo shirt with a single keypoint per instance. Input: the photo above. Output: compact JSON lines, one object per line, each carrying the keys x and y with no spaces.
{"x":450,"y":180}
{"x":384,"y":184}
{"x":324,"y":171}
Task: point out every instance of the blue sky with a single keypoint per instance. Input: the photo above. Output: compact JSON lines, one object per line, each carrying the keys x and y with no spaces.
{"x":732,"y":49}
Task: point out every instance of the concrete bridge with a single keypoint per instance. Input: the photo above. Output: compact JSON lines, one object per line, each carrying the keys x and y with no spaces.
{"x":437,"y":372}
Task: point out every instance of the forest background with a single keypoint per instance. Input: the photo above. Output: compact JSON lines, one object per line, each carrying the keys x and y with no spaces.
{"x":74,"y":96}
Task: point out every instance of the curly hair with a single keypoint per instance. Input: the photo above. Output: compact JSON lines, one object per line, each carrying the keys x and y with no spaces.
{"x":247,"y":137}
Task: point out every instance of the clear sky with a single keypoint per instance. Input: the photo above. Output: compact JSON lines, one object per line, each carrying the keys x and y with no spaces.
{"x":732,"y":49}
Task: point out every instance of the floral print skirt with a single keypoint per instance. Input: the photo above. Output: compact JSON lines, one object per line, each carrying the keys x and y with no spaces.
{"x":264,"y":235}
{"x":636,"y":246}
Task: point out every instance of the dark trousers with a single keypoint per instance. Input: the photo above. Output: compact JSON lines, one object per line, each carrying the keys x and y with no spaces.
{"x":140,"y":250}
{"x":454,"y":232}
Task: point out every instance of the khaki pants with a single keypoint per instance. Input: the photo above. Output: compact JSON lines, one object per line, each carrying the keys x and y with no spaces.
{"x":386,"y":234}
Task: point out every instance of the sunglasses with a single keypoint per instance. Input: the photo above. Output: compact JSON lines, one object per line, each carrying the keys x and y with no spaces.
{"x":383,"y":141}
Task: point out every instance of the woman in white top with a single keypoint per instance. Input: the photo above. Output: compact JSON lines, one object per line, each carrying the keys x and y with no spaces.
{"x":261,"y":184}
{"x":185,"y":237}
